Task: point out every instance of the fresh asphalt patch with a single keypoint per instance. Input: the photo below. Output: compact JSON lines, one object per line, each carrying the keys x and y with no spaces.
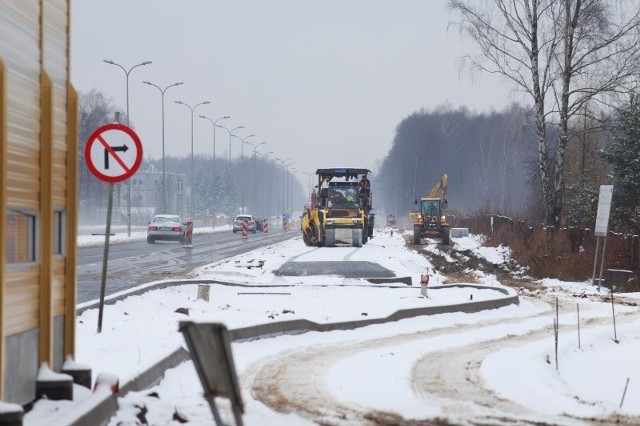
{"x":346,"y":269}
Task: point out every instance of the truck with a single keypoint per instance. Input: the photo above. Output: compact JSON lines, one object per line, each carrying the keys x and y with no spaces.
{"x":429,"y":220}
{"x":341,"y":211}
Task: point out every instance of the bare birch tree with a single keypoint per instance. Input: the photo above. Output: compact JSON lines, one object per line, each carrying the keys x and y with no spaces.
{"x":562,"y":54}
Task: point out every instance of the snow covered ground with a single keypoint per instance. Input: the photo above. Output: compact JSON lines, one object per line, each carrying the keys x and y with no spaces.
{"x":407,"y":368}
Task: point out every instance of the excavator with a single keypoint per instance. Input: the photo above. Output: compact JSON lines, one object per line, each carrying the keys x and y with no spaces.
{"x":429,"y":220}
{"x":342,"y":210}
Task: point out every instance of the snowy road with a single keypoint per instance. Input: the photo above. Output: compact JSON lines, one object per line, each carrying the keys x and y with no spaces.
{"x":493,"y":367}
{"x":442,"y":365}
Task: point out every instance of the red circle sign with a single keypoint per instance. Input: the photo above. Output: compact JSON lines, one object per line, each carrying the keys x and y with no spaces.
{"x":113,"y":152}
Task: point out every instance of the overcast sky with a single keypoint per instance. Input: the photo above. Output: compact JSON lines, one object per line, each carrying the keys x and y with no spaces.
{"x":324,"y":83}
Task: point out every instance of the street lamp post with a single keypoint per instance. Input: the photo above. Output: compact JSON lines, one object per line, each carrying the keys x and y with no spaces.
{"x":279,"y":162}
{"x":126,"y":73}
{"x":264,"y":202}
{"x":230,"y":136}
{"x":192,"y":109}
{"x":242,"y":168}
{"x":287,"y":176}
{"x":309,"y":175}
{"x":290,"y":188}
{"x":213,"y":170}
{"x":284,"y":164}
{"x":164,"y":176}
{"x":255,"y":183}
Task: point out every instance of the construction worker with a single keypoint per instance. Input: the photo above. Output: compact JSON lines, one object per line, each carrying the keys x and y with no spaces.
{"x":365,"y":191}
{"x":364,"y":184}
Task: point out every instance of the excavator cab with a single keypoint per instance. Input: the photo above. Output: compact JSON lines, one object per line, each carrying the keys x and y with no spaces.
{"x":429,"y":220}
{"x":430,"y":208}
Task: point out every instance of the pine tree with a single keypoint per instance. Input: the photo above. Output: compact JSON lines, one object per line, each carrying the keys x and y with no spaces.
{"x":623,"y":153}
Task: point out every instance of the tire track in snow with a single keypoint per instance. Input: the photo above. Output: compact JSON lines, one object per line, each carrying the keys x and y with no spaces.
{"x":295,"y":380}
{"x":453,"y":378}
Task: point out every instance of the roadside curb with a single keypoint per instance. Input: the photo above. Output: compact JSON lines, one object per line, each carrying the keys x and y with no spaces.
{"x":100,"y":408}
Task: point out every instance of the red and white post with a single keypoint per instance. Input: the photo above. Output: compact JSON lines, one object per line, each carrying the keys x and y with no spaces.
{"x":424,"y":282}
{"x":245,"y":229}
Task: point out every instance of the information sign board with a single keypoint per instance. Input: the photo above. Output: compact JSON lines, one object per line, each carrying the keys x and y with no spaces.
{"x":604,"y":207}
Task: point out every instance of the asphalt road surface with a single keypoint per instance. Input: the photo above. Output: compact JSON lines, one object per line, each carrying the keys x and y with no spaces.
{"x":137,"y":262}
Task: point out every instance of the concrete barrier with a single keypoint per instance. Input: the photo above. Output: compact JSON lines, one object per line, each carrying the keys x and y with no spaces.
{"x":105,"y":407}
{"x":459,"y":232}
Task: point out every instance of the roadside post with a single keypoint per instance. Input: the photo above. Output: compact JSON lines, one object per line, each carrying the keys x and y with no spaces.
{"x":113,"y":154}
{"x":210,"y":348}
{"x":265,"y":226}
{"x":424,"y":282}
{"x":602,"y":223}
{"x":188,"y":236}
{"x":245,"y":229}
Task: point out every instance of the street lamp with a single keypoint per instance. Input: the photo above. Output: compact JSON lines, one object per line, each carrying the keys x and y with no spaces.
{"x":265,"y":195}
{"x":126,"y":73}
{"x":255,"y":174}
{"x":164,"y":176}
{"x":215,"y":124}
{"x":284,"y":164}
{"x":242,"y":168}
{"x":193,"y":217}
{"x":289,"y":188}
{"x":309,"y":175}
{"x":230,"y":135}
{"x":213,"y":170}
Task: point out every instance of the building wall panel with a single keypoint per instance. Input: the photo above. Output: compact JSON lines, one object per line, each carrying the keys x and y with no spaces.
{"x":58,"y":286}
{"x":59,"y":177}
{"x":55,"y":54}
{"x":38,"y":135}
{"x":22,"y":362}
{"x":20,"y":35}
{"x":23,"y":174}
{"x":21,"y":300}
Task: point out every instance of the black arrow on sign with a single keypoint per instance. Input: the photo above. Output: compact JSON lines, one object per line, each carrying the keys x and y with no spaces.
{"x":123,"y":148}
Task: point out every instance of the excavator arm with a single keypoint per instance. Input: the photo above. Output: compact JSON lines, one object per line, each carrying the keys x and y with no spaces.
{"x":439,"y":190}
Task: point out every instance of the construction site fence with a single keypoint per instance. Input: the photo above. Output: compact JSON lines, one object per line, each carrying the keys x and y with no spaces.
{"x":622,"y":250}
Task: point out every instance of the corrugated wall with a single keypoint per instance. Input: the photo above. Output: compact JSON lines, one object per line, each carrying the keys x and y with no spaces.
{"x":38,"y":143}
{"x":55,"y":62}
{"x":19,"y":30}
{"x":3,"y":214}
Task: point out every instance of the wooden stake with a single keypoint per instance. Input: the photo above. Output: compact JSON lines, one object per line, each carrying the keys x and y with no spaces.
{"x":578,"y":308}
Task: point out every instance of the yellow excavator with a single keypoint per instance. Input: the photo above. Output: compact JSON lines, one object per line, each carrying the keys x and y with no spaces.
{"x":342,"y":210}
{"x":429,"y":220}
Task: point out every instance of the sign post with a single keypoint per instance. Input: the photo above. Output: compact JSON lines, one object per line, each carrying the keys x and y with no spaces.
{"x":210,"y":349}
{"x":602,"y":224}
{"x":113,"y":154}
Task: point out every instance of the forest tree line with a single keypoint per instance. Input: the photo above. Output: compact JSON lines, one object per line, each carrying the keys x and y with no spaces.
{"x":491,"y":162}
{"x":574,"y":60}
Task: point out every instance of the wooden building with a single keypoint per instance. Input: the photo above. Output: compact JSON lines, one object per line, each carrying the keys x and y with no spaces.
{"x":38,"y":193}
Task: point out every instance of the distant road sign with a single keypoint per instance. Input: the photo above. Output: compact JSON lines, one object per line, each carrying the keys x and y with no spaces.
{"x":604,"y":207}
{"x":113,"y":152}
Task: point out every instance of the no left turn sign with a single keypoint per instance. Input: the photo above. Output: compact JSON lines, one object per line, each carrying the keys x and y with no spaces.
{"x":113,"y":152}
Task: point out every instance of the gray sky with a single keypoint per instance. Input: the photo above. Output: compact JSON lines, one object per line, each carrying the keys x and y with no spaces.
{"x":323,"y":82}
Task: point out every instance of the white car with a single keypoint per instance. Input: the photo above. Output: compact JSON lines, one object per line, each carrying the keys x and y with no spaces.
{"x":166,"y":227}
{"x":238,"y":223}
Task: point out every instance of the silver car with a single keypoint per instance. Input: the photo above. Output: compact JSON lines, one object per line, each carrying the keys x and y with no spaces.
{"x":166,"y":227}
{"x":238,"y":222}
